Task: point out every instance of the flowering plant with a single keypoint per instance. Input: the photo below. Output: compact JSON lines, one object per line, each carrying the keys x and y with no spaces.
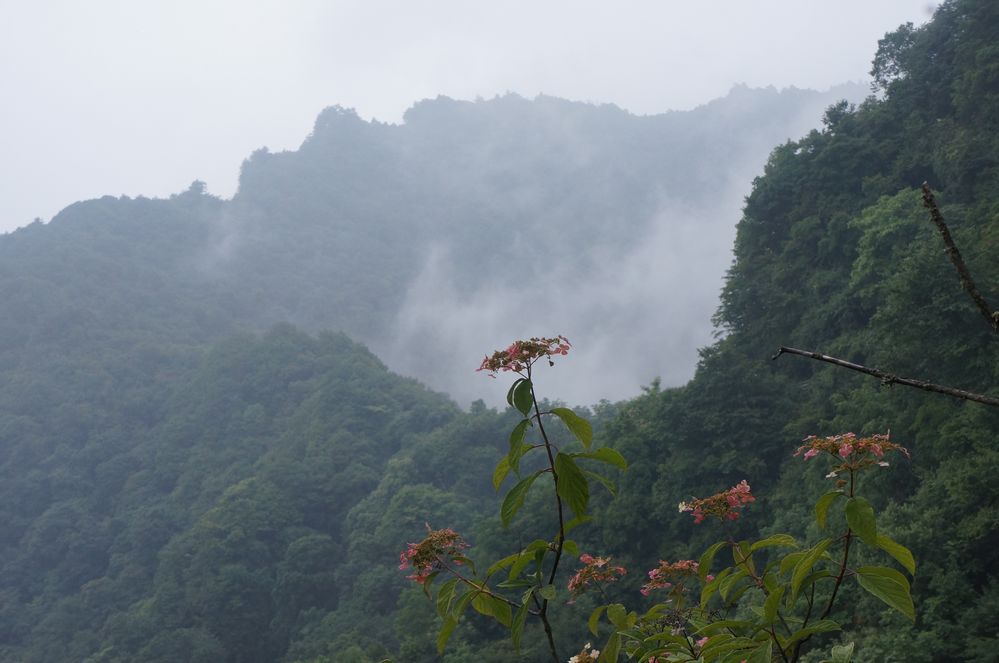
{"x":765,"y":606}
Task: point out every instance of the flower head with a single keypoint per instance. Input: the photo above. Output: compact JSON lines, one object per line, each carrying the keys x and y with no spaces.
{"x":724,"y":505}
{"x":595,"y":570}
{"x":430,"y":554}
{"x":849,"y":451}
{"x":671,"y":576}
{"x":521,"y":355}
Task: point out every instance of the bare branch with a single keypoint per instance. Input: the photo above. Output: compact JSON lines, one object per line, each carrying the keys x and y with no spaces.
{"x":889,"y":379}
{"x":930,"y":203}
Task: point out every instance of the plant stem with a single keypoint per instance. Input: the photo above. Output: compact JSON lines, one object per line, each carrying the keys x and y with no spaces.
{"x":560,"y":539}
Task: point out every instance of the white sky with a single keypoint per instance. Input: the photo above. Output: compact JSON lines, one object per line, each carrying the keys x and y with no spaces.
{"x":140,"y":97}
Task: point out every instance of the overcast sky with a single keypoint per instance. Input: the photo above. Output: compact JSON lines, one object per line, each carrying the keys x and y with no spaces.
{"x":124,"y":97}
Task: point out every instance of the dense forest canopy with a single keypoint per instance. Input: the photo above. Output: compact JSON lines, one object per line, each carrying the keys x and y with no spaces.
{"x":182,"y":480}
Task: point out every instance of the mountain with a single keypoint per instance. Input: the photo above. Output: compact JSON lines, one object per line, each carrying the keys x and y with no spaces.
{"x":419,"y":239}
{"x":182,"y":480}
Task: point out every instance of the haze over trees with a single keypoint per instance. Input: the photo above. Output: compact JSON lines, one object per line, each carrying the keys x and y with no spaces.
{"x":181,"y":480}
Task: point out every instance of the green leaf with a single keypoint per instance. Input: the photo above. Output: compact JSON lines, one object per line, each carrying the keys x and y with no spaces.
{"x":445,"y":595}
{"x":501,"y":471}
{"x":547,"y":592}
{"x":580,"y":427}
{"x":860,"y":518}
{"x":513,"y":388}
{"x":572,"y":485}
{"x":611,"y":650}
{"x":523,"y":396}
{"x":501,"y":611}
{"x":704,"y":564}
{"x":771,"y":605}
{"x":804,"y":566}
{"x":445,"y":633}
{"x":482,"y":604}
{"x":602,"y":480}
{"x":710,"y":588}
{"x":503,"y":563}
{"x":899,"y":552}
{"x":570,"y":547}
{"x":617,"y":615}
{"x":594,"y":621}
{"x":821,"y":626}
{"x":727,"y":584}
{"x":517,"y":628}
{"x":516,"y":451}
{"x":606,"y":455}
{"x":783,"y":540}
{"x":515,"y":498}
{"x":823,"y":504}
{"x":888,"y":585}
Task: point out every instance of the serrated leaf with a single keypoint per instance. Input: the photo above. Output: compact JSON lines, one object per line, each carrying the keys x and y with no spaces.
{"x":804,"y":566}
{"x":606,"y":455}
{"x":445,"y":633}
{"x":726,"y":585}
{"x":899,"y":552}
{"x":516,"y":451}
{"x":517,"y":628}
{"x":860,"y":518}
{"x":482,"y":604}
{"x":501,"y":611}
{"x":888,"y":585}
{"x":782,"y":540}
{"x":501,"y":472}
{"x":594,"y":621}
{"x":523,"y":396}
{"x":445,"y":595}
{"x":823,"y":504}
{"x":617,"y":615}
{"x":513,"y":388}
{"x":579,"y":427}
{"x":515,"y":498}
{"x":571,"y":485}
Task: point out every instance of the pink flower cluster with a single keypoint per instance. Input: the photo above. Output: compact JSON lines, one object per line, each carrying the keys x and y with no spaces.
{"x":429,"y":554}
{"x":522,"y":354}
{"x":723,"y":505}
{"x":852,"y":452}
{"x":595,"y":569}
{"x":666,"y":575}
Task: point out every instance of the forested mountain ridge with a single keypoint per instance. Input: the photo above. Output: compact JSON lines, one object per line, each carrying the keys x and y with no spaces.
{"x":377,"y":229}
{"x":168,"y":500}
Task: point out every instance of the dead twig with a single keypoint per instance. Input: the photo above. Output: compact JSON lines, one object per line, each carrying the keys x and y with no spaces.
{"x":890,"y":379}
{"x":930,"y":203}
